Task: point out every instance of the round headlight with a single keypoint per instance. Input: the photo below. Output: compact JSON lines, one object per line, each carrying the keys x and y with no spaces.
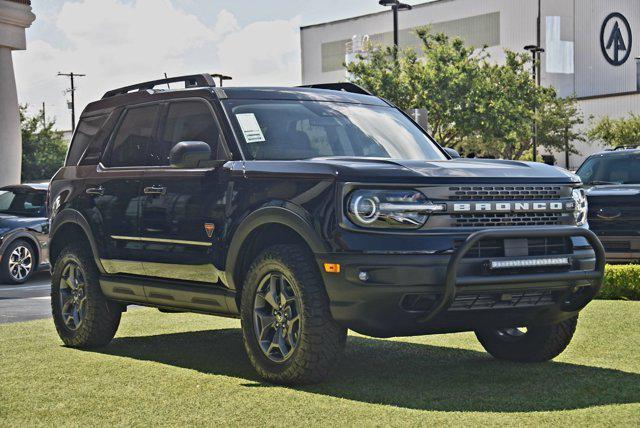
{"x":365,"y":209}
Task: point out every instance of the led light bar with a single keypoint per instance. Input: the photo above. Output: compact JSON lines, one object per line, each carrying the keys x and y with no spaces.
{"x":524,"y":263}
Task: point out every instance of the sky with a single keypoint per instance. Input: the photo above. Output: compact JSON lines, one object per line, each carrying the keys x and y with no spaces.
{"x":121,"y":42}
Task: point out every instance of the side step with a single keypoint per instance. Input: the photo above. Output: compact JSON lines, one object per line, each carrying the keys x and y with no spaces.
{"x":170,"y":294}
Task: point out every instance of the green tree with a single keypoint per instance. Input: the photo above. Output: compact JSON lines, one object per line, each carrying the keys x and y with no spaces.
{"x":474,"y":105}
{"x":43,"y":148}
{"x":617,"y":132}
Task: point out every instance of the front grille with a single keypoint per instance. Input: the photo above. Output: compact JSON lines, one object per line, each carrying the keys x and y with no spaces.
{"x":503,"y":300}
{"x":614,"y":246}
{"x":487,"y":193}
{"x":494,"y":248}
{"x":507,"y":219}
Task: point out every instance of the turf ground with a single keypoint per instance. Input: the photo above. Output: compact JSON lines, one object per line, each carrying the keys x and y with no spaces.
{"x":191,"y":369}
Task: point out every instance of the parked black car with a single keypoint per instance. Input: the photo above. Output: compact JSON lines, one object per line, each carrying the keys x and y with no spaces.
{"x":24,"y":232}
{"x":612,"y":179}
{"x":305,"y":212}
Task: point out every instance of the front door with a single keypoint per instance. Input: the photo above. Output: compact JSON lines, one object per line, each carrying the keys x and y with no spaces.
{"x":182,"y":210}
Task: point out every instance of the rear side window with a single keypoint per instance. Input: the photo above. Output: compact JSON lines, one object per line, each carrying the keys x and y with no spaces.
{"x":186,"y":121}
{"x":87,"y":130}
{"x":131,"y":142}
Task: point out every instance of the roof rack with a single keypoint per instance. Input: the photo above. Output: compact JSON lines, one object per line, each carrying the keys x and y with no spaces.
{"x":622,"y":148}
{"x":340,"y":86}
{"x":191,"y":81}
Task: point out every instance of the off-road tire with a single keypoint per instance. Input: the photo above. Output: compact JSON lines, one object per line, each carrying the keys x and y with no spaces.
{"x":5,"y":276}
{"x":102,"y":316}
{"x":321,"y":340}
{"x":538,"y":344}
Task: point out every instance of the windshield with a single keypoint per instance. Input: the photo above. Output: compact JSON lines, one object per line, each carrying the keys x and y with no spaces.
{"x":23,"y":203}
{"x":611,"y":169}
{"x":288,"y":130}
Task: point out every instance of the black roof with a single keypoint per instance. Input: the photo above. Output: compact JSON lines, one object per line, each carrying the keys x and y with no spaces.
{"x":301,"y":94}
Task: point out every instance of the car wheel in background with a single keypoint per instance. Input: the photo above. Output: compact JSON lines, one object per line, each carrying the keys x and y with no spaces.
{"x":18,"y":262}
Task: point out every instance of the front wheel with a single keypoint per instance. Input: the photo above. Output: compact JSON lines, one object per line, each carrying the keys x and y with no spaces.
{"x":289,"y":333}
{"x":532,"y":344}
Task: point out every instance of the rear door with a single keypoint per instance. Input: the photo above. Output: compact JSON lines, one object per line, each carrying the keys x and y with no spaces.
{"x":182,"y":210}
{"x":115,"y":190}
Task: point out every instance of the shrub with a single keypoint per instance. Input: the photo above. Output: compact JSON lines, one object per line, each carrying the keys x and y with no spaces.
{"x":621,"y":282}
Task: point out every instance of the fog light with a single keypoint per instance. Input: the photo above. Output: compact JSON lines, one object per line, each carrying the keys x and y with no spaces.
{"x":524,"y":263}
{"x":363,"y":276}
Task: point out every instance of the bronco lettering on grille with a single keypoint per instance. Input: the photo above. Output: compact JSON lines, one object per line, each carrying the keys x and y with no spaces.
{"x":511,"y":206}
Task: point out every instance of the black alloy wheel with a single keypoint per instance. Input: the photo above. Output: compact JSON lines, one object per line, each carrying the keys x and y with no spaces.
{"x":276,"y":317}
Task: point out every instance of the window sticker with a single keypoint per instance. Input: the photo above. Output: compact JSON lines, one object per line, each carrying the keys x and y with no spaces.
{"x":250,"y":128}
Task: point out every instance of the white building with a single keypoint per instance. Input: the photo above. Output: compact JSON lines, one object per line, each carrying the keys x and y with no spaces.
{"x":591,"y":46}
{"x":15,"y":16}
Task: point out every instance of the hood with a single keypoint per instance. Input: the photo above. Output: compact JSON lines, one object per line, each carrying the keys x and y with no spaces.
{"x":614,"y":190}
{"x":9,"y":221}
{"x":418,"y":172}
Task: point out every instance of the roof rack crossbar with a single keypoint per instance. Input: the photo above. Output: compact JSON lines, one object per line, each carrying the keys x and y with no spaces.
{"x":340,"y":86}
{"x":191,"y":81}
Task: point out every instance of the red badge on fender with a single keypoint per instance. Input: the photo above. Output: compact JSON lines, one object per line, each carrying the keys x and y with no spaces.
{"x":209,"y":228}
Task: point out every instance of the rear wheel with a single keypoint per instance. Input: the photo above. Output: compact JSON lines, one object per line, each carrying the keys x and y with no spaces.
{"x":532,"y":344}
{"x":289,"y":333}
{"x":83,"y":316}
{"x":18,"y":262}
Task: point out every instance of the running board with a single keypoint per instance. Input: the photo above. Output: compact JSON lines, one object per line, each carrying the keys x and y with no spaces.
{"x":170,"y":294}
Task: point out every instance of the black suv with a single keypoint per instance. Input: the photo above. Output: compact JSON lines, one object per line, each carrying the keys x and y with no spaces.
{"x":306,"y":212}
{"x":612,"y":180}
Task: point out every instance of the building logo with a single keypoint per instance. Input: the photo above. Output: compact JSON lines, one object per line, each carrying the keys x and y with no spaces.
{"x":616,"y":39}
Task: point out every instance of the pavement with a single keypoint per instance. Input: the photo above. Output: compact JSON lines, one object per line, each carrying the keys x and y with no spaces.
{"x":29,"y":301}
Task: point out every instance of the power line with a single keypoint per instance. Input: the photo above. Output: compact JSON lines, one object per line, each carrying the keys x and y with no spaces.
{"x":72,"y":75}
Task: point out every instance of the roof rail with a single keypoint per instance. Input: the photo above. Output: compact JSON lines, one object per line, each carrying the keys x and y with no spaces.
{"x":622,"y":148}
{"x":340,"y":86}
{"x":191,"y":81}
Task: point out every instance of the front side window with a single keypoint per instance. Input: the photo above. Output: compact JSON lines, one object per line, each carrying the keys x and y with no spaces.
{"x":186,"y":121}
{"x":289,"y":130}
{"x":23,"y":203}
{"x":135,"y":134}
{"x":611,"y":169}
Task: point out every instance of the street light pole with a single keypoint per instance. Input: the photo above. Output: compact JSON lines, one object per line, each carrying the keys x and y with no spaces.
{"x":535,"y":58}
{"x":396,"y":6}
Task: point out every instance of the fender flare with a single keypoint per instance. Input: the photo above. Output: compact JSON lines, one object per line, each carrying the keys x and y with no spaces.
{"x":291,"y":216}
{"x":69,"y":215}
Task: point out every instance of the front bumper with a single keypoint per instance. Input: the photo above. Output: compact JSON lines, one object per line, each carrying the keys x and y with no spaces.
{"x":417,"y":294}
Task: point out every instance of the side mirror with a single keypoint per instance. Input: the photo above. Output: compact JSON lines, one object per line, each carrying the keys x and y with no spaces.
{"x":189,"y":154}
{"x":452,"y":153}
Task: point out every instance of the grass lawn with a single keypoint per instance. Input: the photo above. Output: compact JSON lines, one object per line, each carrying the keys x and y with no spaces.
{"x":191,"y":369}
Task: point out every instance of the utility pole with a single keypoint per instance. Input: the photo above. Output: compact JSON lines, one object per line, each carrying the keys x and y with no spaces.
{"x":44,"y":115}
{"x":72,"y":75}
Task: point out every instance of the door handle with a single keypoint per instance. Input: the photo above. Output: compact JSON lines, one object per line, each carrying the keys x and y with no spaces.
{"x":95,"y":191}
{"x":155,"y":190}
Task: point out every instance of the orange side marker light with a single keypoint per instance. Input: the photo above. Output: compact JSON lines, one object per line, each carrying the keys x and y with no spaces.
{"x":332,"y":267}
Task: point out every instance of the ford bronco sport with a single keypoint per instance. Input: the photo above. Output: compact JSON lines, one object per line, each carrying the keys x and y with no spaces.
{"x":306,"y":212}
